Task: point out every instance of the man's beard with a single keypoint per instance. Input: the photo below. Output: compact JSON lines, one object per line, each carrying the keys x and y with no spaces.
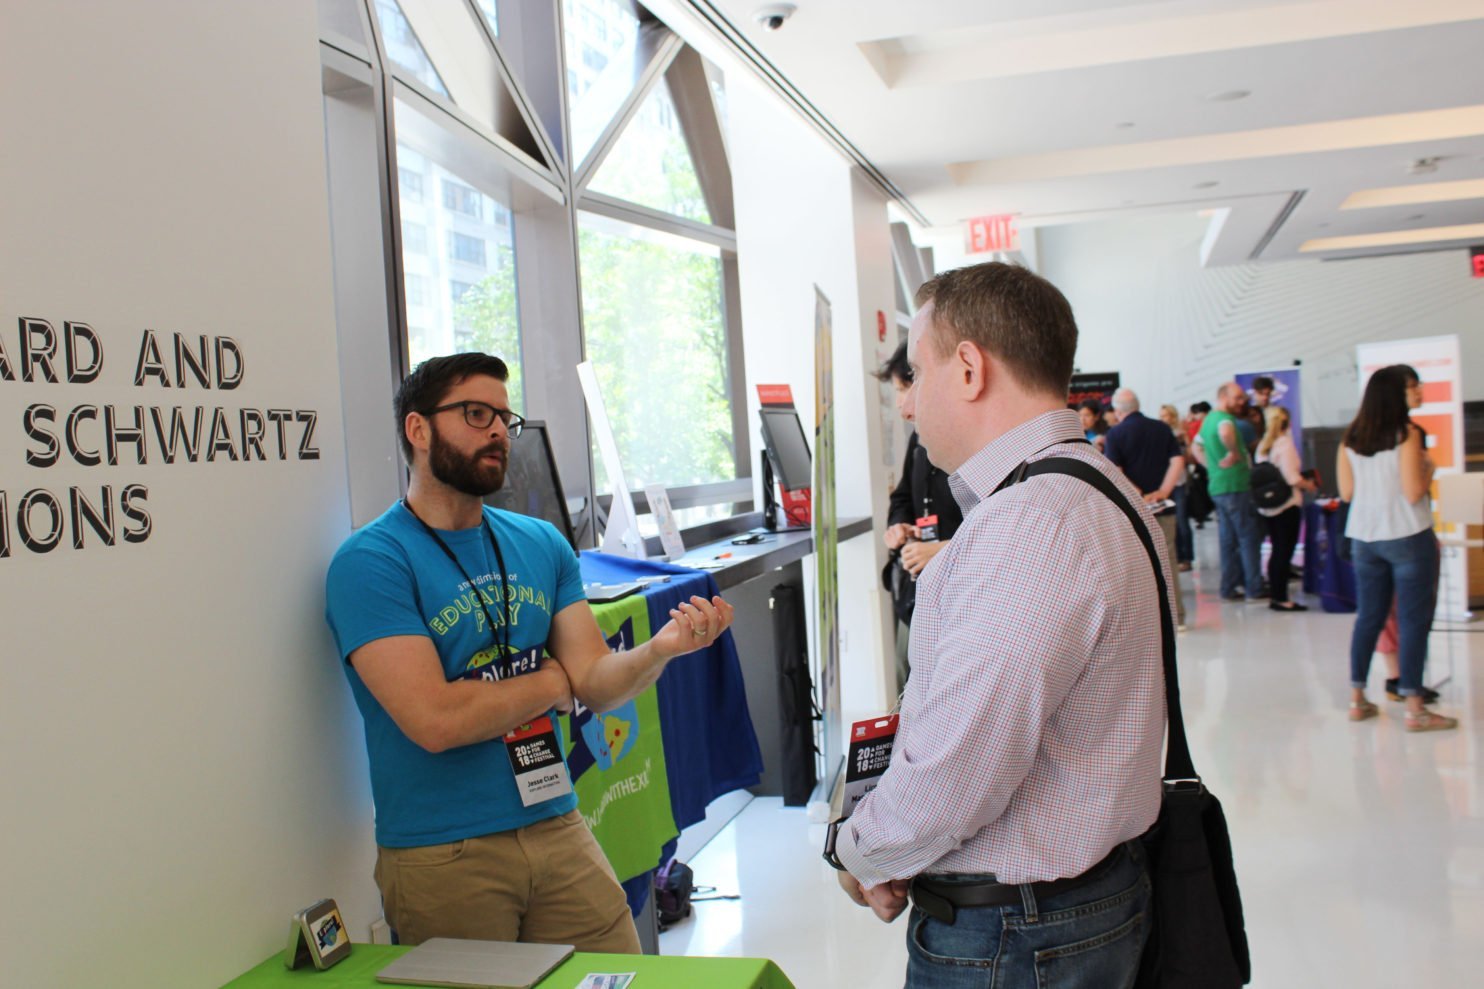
{"x":467,"y":474}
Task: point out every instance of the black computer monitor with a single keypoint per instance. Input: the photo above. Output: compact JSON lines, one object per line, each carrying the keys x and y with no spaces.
{"x":532,"y":485}
{"x":788,"y":449}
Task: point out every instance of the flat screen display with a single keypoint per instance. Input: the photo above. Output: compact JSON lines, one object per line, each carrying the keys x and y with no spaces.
{"x":532,"y":486}
{"x":787,"y":448}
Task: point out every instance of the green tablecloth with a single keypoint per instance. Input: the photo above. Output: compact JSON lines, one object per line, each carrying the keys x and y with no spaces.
{"x":653,"y":972}
{"x":617,"y":759}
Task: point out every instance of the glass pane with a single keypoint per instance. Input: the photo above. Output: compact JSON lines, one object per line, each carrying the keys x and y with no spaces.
{"x":491,"y":17}
{"x":403,"y":47}
{"x":652,"y":312}
{"x":458,"y":262}
{"x":340,"y":17}
{"x":651,"y":165}
{"x":601,"y":36}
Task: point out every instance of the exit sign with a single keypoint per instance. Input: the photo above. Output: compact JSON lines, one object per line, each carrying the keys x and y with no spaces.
{"x":992,"y":233}
{"x":1476,"y":261}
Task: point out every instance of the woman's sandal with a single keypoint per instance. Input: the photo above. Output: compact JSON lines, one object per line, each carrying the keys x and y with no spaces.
{"x":1426,"y":720}
{"x":1361,"y":710}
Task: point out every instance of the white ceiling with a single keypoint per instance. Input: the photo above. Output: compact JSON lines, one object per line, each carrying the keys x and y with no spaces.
{"x":1067,"y":110}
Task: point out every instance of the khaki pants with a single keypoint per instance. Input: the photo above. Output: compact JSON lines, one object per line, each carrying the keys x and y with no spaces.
{"x":1167,"y":529}
{"x":548,"y":882}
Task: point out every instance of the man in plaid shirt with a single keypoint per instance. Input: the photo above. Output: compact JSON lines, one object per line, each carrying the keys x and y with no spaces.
{"x":1027,"y":760}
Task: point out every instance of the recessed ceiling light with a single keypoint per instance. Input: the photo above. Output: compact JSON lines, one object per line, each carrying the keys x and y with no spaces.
{"x":1206,"y":185}
{"x":1229,"y":96}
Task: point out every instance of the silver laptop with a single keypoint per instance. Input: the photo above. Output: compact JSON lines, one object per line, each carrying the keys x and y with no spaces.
{"x":445,"y":961}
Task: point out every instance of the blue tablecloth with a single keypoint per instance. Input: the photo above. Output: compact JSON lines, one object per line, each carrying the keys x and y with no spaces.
{"x":1325,"y":573}
{"x":710,"y":745}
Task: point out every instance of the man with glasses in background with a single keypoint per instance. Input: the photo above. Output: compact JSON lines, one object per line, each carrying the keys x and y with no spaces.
{"x":464,"y":631}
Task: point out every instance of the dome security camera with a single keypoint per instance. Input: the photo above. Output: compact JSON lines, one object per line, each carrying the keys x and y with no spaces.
{"x":772,"y":15}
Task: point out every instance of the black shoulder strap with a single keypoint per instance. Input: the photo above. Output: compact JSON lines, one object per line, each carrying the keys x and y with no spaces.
{"x":1177,"y":756}
{"x":922,"y":471}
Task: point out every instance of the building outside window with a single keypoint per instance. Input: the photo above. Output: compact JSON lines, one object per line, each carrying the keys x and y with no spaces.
{"x":466,"y":283}
{"x":410,"y":185}
{"x":461,"y":199}
{"x":462,"y":247}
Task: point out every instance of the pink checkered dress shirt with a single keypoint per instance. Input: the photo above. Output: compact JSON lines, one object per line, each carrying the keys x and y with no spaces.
{"x":1033,"y":723}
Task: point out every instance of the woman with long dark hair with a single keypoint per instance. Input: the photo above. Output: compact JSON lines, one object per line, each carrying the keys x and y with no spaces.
{"x":1385,"y":474}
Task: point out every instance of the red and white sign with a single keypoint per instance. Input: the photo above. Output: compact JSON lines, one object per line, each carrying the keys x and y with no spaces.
{"x":775,"y":395}
{"x":997,"y":234}
{"x":1476,"y":261}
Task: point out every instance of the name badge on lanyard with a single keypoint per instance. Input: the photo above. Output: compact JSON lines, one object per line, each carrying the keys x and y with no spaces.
{"x":540,"y":773}
{"x":927,"y":528}
{"x":870,"y":753}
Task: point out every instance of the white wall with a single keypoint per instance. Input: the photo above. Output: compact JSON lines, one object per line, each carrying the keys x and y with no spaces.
{"x":182,"y":764}
{"x":802,"y":221}
{"x":1176,"y":330}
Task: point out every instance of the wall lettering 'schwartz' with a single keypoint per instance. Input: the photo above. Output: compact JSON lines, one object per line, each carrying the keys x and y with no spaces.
{"x":95,"y":434}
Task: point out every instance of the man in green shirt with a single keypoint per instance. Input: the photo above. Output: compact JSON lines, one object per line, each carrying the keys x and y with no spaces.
{"x":1225,"y":457}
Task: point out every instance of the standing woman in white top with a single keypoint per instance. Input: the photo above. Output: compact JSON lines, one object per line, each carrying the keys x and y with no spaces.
{"x":1283,"y":522}
{"x":1385,"y":475}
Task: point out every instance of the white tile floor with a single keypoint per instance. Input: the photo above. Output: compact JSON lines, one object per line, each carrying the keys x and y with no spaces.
{"x":1360,"y":848}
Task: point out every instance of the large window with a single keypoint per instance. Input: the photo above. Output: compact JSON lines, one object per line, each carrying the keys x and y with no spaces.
{"x":651,"y":165}
{"x":602,"y":39}
{"x":652,"y":312}
{"x":476,"y":307}
{"x":492,"y":146}
{"x":403,"y":46}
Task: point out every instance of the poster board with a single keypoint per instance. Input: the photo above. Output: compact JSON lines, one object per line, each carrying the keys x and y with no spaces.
{"x":1287,"y":393}
{"x":826,"y":537}
{"x":1098,"y":385}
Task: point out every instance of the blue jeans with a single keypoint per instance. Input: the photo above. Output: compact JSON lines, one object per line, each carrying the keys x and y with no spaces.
{"x":1184,"y":538}
{"x":1404,"y":567}
{"x":1241,"y":543}
{"x":1090,"y":937}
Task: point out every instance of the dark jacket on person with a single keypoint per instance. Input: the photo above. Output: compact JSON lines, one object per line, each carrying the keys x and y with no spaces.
{"x":922,"y":491}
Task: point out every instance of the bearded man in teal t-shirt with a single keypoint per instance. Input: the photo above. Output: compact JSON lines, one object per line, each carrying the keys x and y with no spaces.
{"x":463,"y":631}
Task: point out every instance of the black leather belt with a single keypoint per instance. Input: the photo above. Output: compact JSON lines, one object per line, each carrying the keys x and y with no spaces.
{"x":942,"y":900}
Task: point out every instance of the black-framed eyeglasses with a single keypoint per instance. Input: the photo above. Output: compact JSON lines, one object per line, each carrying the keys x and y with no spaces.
{"x":481,"y":415}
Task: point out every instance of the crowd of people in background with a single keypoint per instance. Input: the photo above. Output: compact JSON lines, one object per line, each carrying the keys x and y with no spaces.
{"x":1236,"y":459}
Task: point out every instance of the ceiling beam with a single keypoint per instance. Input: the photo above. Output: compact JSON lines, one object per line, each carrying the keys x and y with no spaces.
{"x":1271,"y":142}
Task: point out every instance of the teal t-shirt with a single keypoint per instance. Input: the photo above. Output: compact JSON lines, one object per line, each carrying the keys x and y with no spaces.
{"x":391,"y":578}
{"x":1224,"y":480}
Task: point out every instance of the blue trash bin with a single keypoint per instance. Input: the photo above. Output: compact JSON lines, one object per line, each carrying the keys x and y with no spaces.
{"x":1326,"y":575}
